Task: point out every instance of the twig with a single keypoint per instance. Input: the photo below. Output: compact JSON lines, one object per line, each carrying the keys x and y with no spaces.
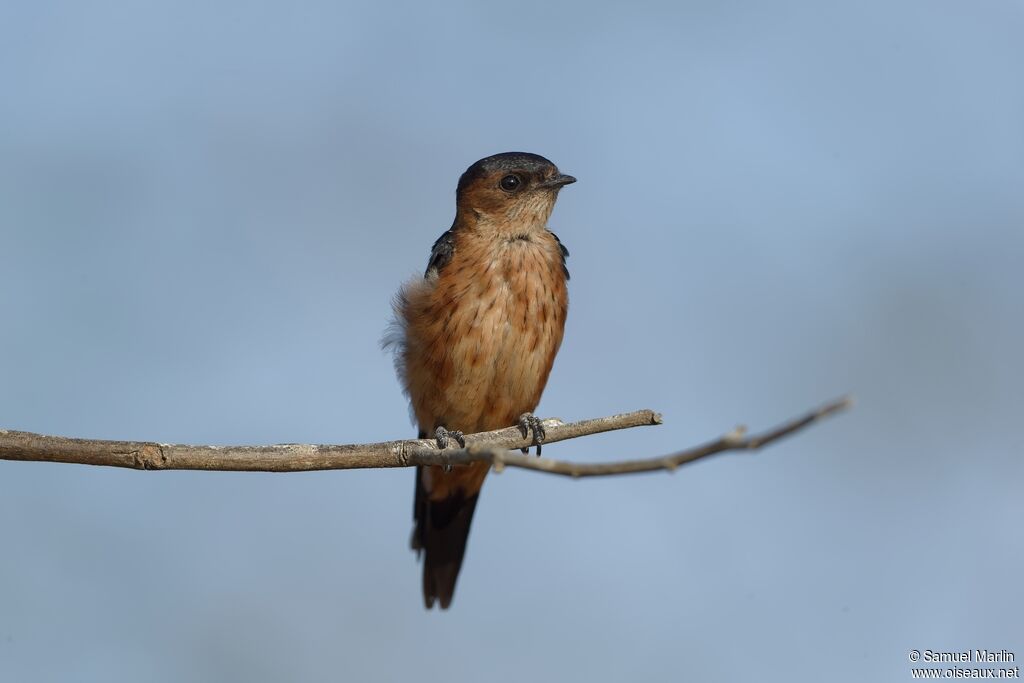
{"x":732,"y":441}
{"x":146,"y":455}
{"x":489,"y":447}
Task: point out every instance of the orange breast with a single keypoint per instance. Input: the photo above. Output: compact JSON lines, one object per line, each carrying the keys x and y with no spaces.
{"x":481,"y":337}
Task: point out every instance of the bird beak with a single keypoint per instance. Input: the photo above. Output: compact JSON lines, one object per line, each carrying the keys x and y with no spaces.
{"x":558,"y":181}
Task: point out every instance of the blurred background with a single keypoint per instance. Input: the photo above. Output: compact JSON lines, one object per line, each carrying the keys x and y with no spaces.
{"x":205,"y":211}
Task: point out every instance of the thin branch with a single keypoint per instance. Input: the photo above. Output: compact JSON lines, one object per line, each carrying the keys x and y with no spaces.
{"x":491,"y":447}
{"x":732,"y":441}
{"x":146,"y":455}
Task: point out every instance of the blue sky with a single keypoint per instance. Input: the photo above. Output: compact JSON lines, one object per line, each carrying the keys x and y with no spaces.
{"x":204,"y":212}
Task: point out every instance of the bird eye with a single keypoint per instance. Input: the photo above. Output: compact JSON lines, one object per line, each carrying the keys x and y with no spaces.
{"x":510,"y":183}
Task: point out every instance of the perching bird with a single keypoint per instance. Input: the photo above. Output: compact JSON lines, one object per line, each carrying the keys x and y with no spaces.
{"x":475,"y":339}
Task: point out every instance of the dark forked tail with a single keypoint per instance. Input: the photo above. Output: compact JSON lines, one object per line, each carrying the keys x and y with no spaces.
{"x":441,"y":532}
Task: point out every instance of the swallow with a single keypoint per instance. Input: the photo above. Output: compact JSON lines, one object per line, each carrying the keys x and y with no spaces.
{"x":475,"y":339}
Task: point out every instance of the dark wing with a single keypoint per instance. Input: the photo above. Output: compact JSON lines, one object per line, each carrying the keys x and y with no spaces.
{"x":565,"y":254}
{"x":441,"y":253}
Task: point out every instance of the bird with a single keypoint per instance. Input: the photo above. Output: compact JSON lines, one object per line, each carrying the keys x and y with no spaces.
{"x":475,"y":339}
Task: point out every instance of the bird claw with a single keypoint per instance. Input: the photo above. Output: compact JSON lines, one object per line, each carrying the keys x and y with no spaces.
{"x":444,"y":437}
{"x":528,"y":422}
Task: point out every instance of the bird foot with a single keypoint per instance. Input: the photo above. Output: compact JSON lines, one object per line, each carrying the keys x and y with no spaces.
{"x":528,"y":422}
{"x":444,"y":437}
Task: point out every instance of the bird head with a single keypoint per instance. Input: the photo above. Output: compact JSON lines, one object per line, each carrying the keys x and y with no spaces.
{"x":513,"y":191}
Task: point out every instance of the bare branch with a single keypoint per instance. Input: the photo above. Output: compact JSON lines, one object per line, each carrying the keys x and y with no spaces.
{"x":492,"y":447}
{"x":733,"y":441}
{"x":145,"y":455}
